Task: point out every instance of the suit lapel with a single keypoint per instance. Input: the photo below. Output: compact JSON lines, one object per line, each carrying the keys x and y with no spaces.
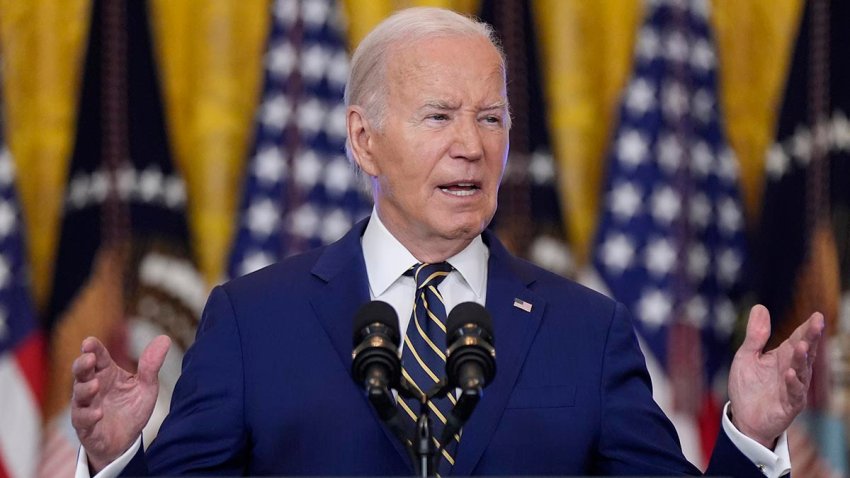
{"x":513,"y":331}
{"x":346,"y":289}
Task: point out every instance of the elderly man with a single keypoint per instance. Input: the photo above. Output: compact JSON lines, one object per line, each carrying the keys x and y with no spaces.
{"x":266,"y":388}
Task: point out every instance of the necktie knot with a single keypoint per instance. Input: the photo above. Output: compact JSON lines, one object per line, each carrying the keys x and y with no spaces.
{"x":429,"y":274}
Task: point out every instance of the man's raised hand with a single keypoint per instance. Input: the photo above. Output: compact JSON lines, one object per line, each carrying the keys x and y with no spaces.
{"x":768,"y":389}
{"x":111,"y":406}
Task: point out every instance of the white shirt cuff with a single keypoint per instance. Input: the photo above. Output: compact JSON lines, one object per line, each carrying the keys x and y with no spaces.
{"x":111,"y":470}
{"x":772,"y":463}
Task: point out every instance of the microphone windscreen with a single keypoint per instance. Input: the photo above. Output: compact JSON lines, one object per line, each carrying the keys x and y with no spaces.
{"x":372,"y":312}
{"x":468,"y":313}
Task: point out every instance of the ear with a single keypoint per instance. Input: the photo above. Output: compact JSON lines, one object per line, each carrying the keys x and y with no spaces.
{"x":361,"y":137}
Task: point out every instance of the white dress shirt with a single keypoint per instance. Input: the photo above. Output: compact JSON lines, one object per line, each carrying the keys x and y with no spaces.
{"x":386,"y":262}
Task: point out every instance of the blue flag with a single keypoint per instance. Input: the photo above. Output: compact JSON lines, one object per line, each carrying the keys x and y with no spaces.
{"x":671,"y":240}
{"x":300,"y":191}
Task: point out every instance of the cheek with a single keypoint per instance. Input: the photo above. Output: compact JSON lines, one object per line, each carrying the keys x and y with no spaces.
{"x":497,"y":153}
{"x":496,"y":171}
{"x":405,"y":186}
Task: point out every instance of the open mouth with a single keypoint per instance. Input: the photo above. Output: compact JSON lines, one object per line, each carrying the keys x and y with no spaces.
{"x":460,"y":189}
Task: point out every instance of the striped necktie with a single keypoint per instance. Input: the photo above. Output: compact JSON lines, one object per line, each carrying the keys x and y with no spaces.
{"x":423,"y":357}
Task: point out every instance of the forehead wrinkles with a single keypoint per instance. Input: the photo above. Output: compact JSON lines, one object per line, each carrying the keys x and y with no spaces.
{"x":407,"y":66}
{"x":409,"y":73}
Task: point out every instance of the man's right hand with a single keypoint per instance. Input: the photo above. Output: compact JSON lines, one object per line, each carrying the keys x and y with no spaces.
{"x":111,"y":406}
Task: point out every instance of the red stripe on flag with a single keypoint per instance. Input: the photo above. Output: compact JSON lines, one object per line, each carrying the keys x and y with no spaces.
{"x":33,"y":364}
{"x":684,"y":361}
{"x":3,"y":472}
{"x":708,"y":420}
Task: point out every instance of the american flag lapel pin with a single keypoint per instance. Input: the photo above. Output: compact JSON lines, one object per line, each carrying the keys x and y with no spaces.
{"x":521,"y":304}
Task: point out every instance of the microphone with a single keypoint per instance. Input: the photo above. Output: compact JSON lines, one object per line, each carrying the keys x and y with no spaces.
{"x":470,"y":361}
{"x":470,"y":357}
{"x":376,"y":363}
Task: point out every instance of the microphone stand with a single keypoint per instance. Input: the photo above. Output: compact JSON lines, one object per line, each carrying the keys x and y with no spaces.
{"x":421,"y":448}
{"x":424,"y":455}
{"x":425,"y":450}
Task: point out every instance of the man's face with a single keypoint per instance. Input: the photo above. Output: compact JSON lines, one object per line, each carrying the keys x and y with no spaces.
{"x":438,"y":159}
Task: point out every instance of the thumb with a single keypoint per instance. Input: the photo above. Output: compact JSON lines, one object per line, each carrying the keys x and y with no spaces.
{"x":152,"y":358}
{"x":758,"y":330}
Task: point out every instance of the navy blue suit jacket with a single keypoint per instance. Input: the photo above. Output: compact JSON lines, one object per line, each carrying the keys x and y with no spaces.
{"x":266,"y":388}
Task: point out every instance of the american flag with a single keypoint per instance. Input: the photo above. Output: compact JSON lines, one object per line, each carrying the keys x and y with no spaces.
{"x":21,"y":343}
{"x":300,"y":190}
{"x":671,"y":243}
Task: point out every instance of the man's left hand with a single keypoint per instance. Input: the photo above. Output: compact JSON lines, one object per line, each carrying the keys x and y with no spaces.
{"x":768,"y":389}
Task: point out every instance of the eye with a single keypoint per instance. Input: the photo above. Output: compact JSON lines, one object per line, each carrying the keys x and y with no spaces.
{"x":438,"y":117}
{"x":492,"y":119}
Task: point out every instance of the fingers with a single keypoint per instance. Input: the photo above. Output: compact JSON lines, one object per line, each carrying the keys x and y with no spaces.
{"x":796,"y":390}
{"x":94,"y":346}
{"x":811,"y":332}
{"x":801,"y":362}
{"x":152,"y":358}
{"x":804,"y":342}
{"x":85,"y":406}
{"x":83,"y":367}
{"x":808,"y":333}
{"x":84,"y":393}
{"x":758,"y":330}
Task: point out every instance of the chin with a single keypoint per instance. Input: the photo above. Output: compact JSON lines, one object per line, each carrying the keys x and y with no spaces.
{"x":466,"y":229}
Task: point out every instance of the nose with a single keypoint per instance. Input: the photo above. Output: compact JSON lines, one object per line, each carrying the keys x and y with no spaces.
{"x":467,"y":144}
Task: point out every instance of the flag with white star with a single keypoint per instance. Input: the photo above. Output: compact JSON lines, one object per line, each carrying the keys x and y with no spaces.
{"x":299,"y":190}
{"x":671,"y":242}
{"x":802,"y":253}
{"x":124,"y":269}
{"x":21,"y":343}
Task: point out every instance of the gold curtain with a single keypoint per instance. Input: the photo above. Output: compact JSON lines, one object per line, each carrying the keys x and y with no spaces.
{"x":41,"y":44}
{"x":210,"y":57}
{"x":211,"y":66}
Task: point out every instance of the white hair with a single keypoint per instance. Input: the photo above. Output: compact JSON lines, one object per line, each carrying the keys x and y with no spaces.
{"x":366,"y":85}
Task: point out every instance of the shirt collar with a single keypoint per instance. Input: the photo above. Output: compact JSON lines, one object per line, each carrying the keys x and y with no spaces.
{"x":387,"y":259}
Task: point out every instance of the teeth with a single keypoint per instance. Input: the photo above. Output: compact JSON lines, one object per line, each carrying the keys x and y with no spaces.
{"x":462,"y":192}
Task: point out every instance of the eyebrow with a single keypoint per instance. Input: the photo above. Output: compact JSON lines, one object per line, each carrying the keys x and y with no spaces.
{"x":445,"y":105}
{"x":499,"y":105}
{"x":440,"y":105}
